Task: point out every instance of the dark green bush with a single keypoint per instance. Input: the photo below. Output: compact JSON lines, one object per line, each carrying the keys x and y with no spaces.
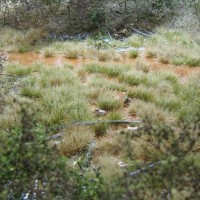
{"x":28,"y":167}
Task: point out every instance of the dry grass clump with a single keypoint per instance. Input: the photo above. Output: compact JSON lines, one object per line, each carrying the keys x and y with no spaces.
{"x":110,"y":144}
{"x":17,"y":41}
{"x":142,"y":66}
{"x":75,"y":50}
{"x":34,"y":34}
{"x":48,"y":51}
{"x":139,"y":149}
{"x":75,"y":140}
{"x":109,"y":168}
{"x":150,"y":112}
{"x":104,"y":55}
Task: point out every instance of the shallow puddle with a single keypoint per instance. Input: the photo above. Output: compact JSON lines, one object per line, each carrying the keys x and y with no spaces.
{"x":30,"y":58}
{"x":59,"y":60}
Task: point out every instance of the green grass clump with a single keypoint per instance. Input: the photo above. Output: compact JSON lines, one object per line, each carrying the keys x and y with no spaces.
{"x":169,"y":103}
{"x":193,"y":62}
{"x":133,"y":54}
{"x":108,"y":101}
{"x":143,"y":93}
{"x":100,"y":82}
{"x":53,"y":78}
{"x":111,"y":70}
{"x":100,"y":128}
{"x":23,"y":48}
{"x":31,"y":92}
{"x":133,"y":77}
{"x":115,"y":116}
{"x":19,"y":70}
{"x":65,"y":104}
{"x":135,"y":41}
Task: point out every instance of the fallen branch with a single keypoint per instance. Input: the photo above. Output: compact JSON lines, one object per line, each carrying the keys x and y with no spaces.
{"x":108,"y":122}
{"x":59,"y":135}
{"x":1,"y":74}
{"x":145,"y":169}
{"x":148,"y":34}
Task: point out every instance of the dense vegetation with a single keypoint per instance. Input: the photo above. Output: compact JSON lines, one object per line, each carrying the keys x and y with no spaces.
{"x":72,"y":17}
{"x":122,"y":123}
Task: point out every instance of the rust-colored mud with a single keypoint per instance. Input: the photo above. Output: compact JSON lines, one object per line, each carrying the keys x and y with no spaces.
{"x":30,"y":58}
{"x":182,"y":71}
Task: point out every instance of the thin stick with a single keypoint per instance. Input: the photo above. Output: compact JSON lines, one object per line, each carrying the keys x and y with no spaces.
{"x":1,"y":74}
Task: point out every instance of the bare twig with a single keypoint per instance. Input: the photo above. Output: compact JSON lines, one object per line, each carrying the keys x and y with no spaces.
{"x":60,"y":135}
{"x":2,"y":74}
{"x":108,"y":122}
{"x":145,"y":169}
{"x":148,"y":34}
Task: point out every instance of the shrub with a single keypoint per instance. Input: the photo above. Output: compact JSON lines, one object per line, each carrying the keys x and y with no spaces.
{"x":27,"y":164}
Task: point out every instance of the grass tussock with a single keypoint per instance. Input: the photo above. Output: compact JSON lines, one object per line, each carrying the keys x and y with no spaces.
{"x":142,"y":66}
{"x":75,"y":50}
{"x":108,"y":101}
{"x":171,"y":46}
{"x":104,"y":55}
{"x":109,"y":168}
{"x":17,"y":41}
{"x":133,"y":54}
{"x":65,"y":104}
{"x":19,"y":70}
{"x":133,"y":77}
{"x":111,"y":70}
{"x":150,"y":112}
{"x":100,"y":129}
{"x":143,"y":93}
{"x":31,"y":92}
{"x":98,"y":81}
{"x":135,"y":41}
{"x":48,"y":51}
{"x":115,"y":116}
{"x":75,"y":140}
